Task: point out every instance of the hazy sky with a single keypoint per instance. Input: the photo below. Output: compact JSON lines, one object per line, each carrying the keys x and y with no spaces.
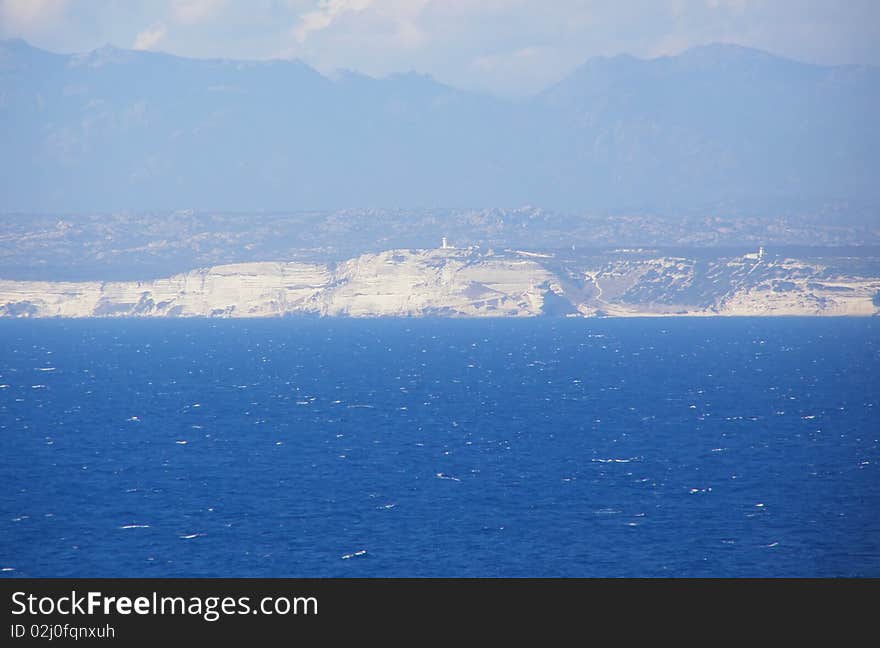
{"x":500,"y":46}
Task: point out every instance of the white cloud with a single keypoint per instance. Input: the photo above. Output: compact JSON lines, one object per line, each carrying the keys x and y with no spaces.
{"x":408,"y":34}
{"x":189,"y":12}
{"x":326,"y":14}
{"x":29,"y":15}
{"x":735,"y":6}
{"x":150,"y":37}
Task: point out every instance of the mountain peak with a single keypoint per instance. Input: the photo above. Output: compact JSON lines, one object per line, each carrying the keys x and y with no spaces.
{"x":711,"y":54}
{"x":728,"y":55}
{"x":17,"y":51}
{"x":726,"y":51}
{"x":18,"y":44}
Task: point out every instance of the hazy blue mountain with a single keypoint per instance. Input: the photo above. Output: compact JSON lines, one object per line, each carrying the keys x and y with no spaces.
{"x":718,"y":123}
{"x":114,"y":129}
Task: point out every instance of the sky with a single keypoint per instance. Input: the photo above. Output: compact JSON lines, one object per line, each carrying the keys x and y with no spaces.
{"x":504,"y":47}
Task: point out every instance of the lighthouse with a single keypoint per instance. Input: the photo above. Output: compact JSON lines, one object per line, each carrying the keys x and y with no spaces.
{"x":758,"y":256}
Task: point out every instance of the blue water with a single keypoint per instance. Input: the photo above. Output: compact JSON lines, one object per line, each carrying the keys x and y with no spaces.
{"x":673,"y":447}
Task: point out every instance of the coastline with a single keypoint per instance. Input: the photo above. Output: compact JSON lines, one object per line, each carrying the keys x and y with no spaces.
{"x":464,"y":283}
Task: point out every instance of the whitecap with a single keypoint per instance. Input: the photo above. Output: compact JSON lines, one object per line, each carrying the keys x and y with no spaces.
{"x":359,"y":552}
{"x":441,"y":475}
{"x":135,"y":526}
{"x":190,"y":536}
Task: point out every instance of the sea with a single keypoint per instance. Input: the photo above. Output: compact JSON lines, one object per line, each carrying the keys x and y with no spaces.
{"x":663,"y":447}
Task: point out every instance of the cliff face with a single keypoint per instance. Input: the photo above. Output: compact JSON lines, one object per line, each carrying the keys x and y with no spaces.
{"x":737,"y":286}
{"x":463,"y":283}
{"x":435,"y":282}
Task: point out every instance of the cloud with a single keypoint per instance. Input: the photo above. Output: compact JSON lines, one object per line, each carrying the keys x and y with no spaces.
{"x":735,"y":6}
{"x":29,"y":15}
{"x":326,"y":14}
{"x":189,"y":12}
{"x":377,"y":29}
{"x":150,"y":37}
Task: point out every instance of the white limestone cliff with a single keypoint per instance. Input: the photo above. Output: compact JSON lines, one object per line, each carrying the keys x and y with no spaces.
{"x":458,"y":283}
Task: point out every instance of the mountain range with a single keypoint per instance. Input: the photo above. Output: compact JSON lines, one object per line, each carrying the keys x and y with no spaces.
{"x":725,"y":125}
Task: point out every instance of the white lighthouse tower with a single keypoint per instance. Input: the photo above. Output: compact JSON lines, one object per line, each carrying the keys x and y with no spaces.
{"x":758,"y":256}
